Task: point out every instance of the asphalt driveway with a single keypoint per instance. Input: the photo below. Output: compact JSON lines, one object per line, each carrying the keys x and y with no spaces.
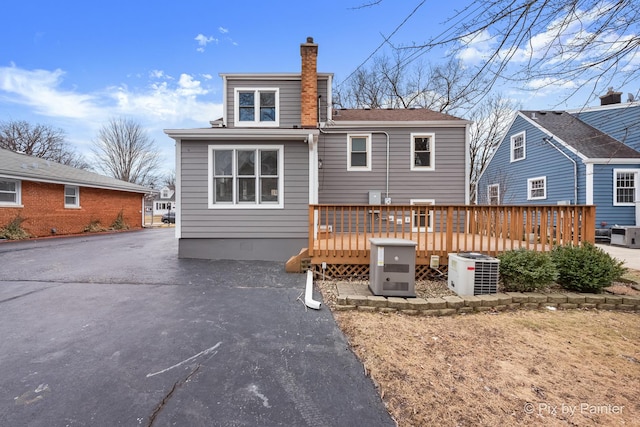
{"x":114,"y":330}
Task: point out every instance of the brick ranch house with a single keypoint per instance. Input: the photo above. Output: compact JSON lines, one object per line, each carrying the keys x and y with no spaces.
{"x":56,"y":199}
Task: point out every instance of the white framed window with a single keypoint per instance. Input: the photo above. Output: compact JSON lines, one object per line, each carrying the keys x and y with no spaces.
{"x":257,"y":107}
{"x":423,"y":155}
{"x":246,"y":176}
{"x":537,"y":188}
{"x":625,"y":187}
{"x":10,"y":192}
{"x":493,"y":194}
{"x":165,"y":193}
{"x":359,"y":152}
{"x":422,"y":218}
{"x":71,"y":196}
{"x":518,"y":147}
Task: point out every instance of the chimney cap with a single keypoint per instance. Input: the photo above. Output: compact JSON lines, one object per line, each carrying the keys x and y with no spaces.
{"x":309,"y":39}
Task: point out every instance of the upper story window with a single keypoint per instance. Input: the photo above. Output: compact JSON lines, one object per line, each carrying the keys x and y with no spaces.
{"x":257,"y":107}
{"x":493,"y":194}
{"x":10,"y":194}
{"x":423,"y":151}
{"x":625,"y":187}
{"x":537,"y":188}
{"x":518,"y":147}
{"x":71,"y":196}
{"x":246,"y":176}
{"x":165,"y":193}
{"x":359,"y":152}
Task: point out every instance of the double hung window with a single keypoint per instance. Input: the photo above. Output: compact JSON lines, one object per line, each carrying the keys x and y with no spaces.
{"x":359,"y":152}
{"x":625,"y":187}
{"x":9,"y":192}
{"x":518,"y":147}
{"x":71,"y":196}
{"x":243,"y":176}
{"x":256,"y":107}
{"x":422,"y":151}
{"x":493,"y":194}
{"x":537,"y":188}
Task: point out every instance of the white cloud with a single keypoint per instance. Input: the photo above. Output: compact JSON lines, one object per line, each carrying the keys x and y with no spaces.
{"x":164,"y":103}
{"x":203,"y":41}
{"x":223,"y":30}
{"x":39,"y":89}
{"x":159,"y":74}
{"x":477,"y":48}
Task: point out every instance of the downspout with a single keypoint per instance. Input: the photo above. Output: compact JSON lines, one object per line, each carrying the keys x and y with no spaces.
{"x":575,"y":169}
{"x":387,"y":183}
{"x":308,"y":293}
{"x":467,"y":168}
{"x":178,"y":190}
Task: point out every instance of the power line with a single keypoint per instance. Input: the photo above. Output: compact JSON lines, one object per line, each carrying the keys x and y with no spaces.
{"x":385,"y":41}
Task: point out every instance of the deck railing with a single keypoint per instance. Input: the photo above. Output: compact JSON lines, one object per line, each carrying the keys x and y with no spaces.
{"x":343,"y":231}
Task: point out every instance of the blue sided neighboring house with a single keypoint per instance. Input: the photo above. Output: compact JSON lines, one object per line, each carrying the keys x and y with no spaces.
{"x":589,"y":156}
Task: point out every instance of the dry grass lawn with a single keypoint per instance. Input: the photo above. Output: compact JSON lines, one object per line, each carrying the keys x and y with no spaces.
{"x":552,"y":368}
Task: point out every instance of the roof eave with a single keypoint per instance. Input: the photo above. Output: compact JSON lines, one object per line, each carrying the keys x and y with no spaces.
{"x":269,"y":76}
{"x":241,"y":133}
{"x":610,"y":161}
{"x":80,"y":183}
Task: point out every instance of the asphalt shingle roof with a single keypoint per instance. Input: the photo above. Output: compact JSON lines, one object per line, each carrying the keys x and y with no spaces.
{"x":29,"y":168}
{"x":585,"y":139}
{"x":400,"y":115}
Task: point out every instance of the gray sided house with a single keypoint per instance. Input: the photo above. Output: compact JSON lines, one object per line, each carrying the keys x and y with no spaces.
{"x":589,"y":156}
{"x":244,"y":185}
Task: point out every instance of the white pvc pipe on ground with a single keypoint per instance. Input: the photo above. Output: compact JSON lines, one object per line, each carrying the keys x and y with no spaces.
{"x":308,"y":293}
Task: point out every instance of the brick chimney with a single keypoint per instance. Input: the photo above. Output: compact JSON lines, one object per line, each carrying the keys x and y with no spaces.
{"x":611,"y":97}
{"x":309,"y":84}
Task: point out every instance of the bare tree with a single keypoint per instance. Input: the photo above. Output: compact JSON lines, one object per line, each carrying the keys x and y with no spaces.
{"x":559,"y":43}
{"x":169,"y":179}
{"x":395,"y":83}
{"x":39,"y":140}
{"x":125,"y":151}
{"x":502,"y":179}
{"x":490,"y":120}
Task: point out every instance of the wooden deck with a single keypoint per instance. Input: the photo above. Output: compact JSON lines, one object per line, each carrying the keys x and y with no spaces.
{"x":339,"y":234}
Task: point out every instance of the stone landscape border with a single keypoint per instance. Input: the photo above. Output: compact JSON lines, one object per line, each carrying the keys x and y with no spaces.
{"x":451,"y":305}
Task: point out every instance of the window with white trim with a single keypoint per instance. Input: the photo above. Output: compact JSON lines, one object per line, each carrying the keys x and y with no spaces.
{"x":537,"y":188}
{"x":359,"y":152}
{"x":423,"y":151}
{"x":257,"y":107}
{"x":625,"y":187}
{"x":10,"y":194}
{"x":71,"y":196}
{"x":493,"y":194}
{"x":422,"y":216}
{"x":246,"y":176}
{"x":518,"y":147}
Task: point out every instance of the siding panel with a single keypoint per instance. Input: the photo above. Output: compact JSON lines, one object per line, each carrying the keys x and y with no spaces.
{"x":446,"y":184}
{"x":198,"y":221}
{"x":289,"y":98}
{"x":541,"y":159}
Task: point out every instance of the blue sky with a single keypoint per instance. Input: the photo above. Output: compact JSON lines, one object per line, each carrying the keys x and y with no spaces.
{"x":75,"y":64}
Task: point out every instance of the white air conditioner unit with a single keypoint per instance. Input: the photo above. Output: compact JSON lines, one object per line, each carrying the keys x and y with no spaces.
{"x":626,"y":236}
{"x":472,"y":273}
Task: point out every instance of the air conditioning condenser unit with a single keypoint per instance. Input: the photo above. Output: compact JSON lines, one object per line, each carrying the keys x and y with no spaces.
{"x":472,"y":273}
{"x":626,"y":236}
